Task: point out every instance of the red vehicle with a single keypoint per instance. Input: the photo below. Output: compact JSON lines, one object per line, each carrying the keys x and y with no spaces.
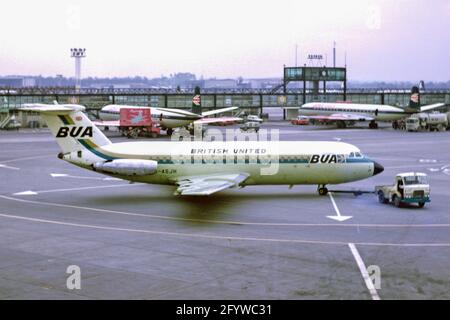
{"x":301,"y":120}
{"x":135,"y":122}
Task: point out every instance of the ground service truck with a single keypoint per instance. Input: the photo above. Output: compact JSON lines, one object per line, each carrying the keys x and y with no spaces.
{"x":427,"y":122}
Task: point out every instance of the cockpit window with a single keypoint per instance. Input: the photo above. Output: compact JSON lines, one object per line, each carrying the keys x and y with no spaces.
{"x":355,"y":155}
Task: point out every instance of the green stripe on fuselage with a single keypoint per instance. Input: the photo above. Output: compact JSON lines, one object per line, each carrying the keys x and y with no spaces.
{"x":85,"y":144}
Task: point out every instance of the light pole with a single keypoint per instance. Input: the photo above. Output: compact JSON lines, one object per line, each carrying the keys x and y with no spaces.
{"x":77,"y":54}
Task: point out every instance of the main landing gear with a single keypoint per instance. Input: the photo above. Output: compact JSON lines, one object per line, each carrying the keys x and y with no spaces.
{"x":169,"y":131}
{"x":322,"y":190}
{"x":341,"y":124}
{"x":373,"y":125}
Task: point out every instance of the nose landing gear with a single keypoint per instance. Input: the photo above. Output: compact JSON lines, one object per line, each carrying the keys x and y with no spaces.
{"x":322,"y":190}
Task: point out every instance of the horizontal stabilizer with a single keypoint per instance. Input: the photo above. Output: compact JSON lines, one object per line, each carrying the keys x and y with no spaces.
{"x":110,"y":123}
{"x":48,"y":108}
{"x":210,"y":113}
{"x":431,"y":107}
{"x":219,"y":120}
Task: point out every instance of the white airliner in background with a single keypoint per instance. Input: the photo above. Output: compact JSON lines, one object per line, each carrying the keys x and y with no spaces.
{"x":167,"y":118}
{"x":344,"y":114}
{"x":200,"y":167}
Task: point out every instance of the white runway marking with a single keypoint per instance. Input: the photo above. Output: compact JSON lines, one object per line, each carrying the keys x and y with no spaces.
{"x":27,"y":158}
{"x":8,"y":167}
{"x":271,"y":224}
{"x":31,"y":192}
{"x":319,"y":131}
{"x":393,"y":159}
{"x":25,"y":193}
{"x":362,"y":268}
{"x":428,"y":160}
{"x":338,"y":216}
{"x":206,"y":236}
{"x":408,"y":166}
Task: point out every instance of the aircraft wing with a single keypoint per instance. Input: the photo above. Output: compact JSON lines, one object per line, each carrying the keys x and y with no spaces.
{"x":208,"y":184}
{"x":431,"y":107}
{"x":217,"y":120}
{"x":113,"y":123}
{"x":209,"y":113}
{"x":342,"y":117}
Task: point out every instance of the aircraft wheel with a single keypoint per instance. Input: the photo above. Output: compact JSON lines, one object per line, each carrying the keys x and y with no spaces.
{"x":134,"y":135}
{"x":397,"y":201}
{"x":421,"y":204}
{"x":169,"y":131}
{"x":322,"y":191}
{"x":341,"y":124}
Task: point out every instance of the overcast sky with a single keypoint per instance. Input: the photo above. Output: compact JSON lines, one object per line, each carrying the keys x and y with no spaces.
{"x":384,"y":39}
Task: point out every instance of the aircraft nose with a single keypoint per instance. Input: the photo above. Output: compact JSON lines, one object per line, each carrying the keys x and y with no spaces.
{"x":377,"y":168}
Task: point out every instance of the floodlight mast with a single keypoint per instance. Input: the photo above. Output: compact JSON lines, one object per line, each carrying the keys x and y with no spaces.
{"x":78,"y":54}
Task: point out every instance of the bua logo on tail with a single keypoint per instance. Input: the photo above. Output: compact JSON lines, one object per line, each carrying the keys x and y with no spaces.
{"x":75,"y":132}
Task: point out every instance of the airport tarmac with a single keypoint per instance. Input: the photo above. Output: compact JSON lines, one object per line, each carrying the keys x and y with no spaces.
{"x":134,"y":241}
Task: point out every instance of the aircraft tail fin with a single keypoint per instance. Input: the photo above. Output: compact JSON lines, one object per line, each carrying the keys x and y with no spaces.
{"x":414,"y":100}
{"x":72,"y":129}
{"x":197,"y":101}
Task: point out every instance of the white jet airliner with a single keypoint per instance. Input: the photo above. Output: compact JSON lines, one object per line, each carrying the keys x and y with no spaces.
{"x":348,"y":113}
{"x":167,"y":118}
{"x":200,"y":167}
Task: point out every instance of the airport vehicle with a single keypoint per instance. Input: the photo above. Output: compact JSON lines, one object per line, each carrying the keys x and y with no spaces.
{"x":10,"y":123}
{"x":448,"y":120}
{"x":300,"y":120}
{"x":399,"y":124}
{"x":250,"y":126}
{"x":168,"y":118}
{"x":408,"y":187}
{"x":137,"y":123}
{"x":253,"y":118}
{"x":344,"y":113}
{"x":201,"y":167}
{"x":427,"y":122}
